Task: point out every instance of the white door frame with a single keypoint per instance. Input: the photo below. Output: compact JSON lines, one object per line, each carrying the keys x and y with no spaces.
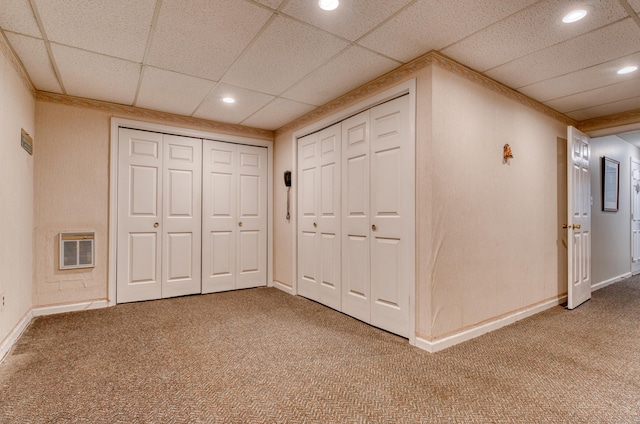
{"x":167,"y":129}
{"x":407,"y":87}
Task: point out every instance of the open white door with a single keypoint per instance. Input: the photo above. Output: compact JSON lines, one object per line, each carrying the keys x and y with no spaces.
{"x":579,"y":218}
{"x":635,"y":216}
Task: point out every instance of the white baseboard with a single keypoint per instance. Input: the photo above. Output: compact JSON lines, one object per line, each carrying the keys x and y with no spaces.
{"x":437,"y":345}
{"x":610,"y":281}
{"x":15,"y":334}
{"x":283,"y":287}
{"x":70,"y":307}
{"x":17,"y":331}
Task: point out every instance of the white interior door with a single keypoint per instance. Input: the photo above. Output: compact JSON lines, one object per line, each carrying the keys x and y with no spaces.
{"x":139,"y":215}
{"x":159,"y":223}
{"x":635,"y":216}
{"x":579,"y":218}
{"x":356,"y":287}
{"x":181,"y":222}
{"x":234,"y":248}
{"x":392,"y":215}
{"x":319,"y":275}
{"x":329,"y":147}
{"x":308,"y":233}
{"x":378,"y":240}
{"x":251,"y":259}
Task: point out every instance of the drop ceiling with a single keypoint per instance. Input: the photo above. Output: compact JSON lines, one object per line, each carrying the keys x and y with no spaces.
{"x":283,"y":58}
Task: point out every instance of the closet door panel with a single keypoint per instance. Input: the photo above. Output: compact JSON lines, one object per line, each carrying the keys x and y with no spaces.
{"x":329,"y":217}
{"x":252,"y":216}
{"x":219,"y":226}
{"x":181,"y":222}
{"x":355,"y":217}
{"x":139,"y":247}
{"x":308,"y":233}
{"x":392,"y":215}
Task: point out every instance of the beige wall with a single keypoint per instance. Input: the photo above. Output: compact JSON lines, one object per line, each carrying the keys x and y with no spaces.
{"x":611,"y":243}
{"x":72,"y":194}
{"x":17,"y":108}
{"x":495,"y":224}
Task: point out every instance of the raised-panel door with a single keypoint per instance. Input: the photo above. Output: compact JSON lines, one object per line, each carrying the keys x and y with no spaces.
{"x":635,"y":216}
{"x":219,"y":229}
{"x":181,"y":223}
{"x":356,"y":272}
{"x":308,"y":233}
{"x":139,"y":274}
{"x":329,"y":217}
{"x":234,"y":216}
{"x":251,"y":268}
{"x":392,"y":215}
{"x":579,"y":211}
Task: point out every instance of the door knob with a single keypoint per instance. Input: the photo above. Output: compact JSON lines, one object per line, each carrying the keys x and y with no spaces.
{"x":374,"y":228}
{"x":240,"y":224}
{"x":156,"y":225}
{"x":576,"y":227}
{"x":315,"y":225}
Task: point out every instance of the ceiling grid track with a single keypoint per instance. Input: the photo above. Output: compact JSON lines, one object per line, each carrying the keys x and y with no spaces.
{"x":152,"y":30}
{"x":47,"y":45}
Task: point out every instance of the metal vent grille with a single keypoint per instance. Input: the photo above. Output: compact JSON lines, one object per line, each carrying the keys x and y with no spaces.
{"x":77,"y":250}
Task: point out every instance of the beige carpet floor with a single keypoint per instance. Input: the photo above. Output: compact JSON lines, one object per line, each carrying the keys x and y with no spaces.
{"x":262,"y":356}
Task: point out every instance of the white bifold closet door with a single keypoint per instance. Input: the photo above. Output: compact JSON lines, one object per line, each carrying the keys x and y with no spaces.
{"x":159,"y":216}
{"x":378,"y":215}
{"x":234,"y":196}
{"x":319,"y":242}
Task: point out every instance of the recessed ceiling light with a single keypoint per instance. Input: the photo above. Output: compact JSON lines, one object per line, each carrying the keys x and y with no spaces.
{"x":574,"y":16}
{"x":627,"y":70}
{"x":229,"y":100}
{"x":328,"y":4}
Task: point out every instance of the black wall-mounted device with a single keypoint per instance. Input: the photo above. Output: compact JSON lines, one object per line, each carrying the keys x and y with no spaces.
{"x":287,"y":183}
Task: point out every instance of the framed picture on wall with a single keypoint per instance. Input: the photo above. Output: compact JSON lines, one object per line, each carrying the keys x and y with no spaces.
{"x":610,"y":184}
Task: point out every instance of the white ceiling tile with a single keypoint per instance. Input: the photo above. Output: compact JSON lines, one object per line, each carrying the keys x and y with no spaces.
{"x":608,"y":109}
{"x":591,"y":49}
{"x":635,"y":4}
{"x":351,"y":22}
{"x":277,"y":113}
{"x":246,"y":104}
{"x":352,"y":68}
{"x":95,"y":76}
{"x":203,"y":38}
{"x":287,"y":51}
{"x":34,"y":57}
{"x":582,"y":80}
{"x":608,"y":94}
{"x":17,"y":16}
{"x":171,"y":92}
{"x":274,"y":4}
{"x":435,"y":24}
{"x":99,"y":26}
{"x":520,"y":34}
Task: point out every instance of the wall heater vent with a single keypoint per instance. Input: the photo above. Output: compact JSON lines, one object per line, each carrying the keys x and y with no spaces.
{"x":77,"y":250}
